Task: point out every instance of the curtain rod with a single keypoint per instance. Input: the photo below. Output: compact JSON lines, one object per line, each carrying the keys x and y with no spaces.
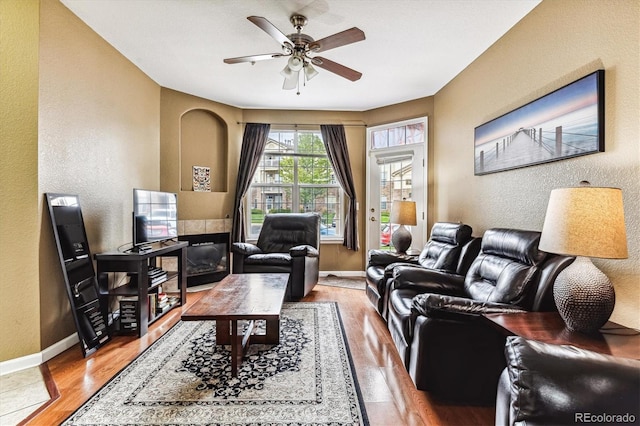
{"x":314,"y":124}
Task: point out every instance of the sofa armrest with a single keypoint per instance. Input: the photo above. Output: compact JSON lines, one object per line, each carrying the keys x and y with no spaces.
{"x":304,"y":250}
{"x":440,"y":306}
{"x":384,"y":258}
{"x":388,"y":270}
{"x":246,"y":249}
{"x":427,"y":280}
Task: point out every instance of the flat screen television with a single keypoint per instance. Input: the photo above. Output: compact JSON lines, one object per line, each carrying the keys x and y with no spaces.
{"x":155,"y":217}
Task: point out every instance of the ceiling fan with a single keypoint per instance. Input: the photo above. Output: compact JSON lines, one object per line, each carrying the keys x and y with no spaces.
{"x":300,"y":49}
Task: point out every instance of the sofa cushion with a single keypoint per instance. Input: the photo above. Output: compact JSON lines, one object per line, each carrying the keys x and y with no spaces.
{"x":444,"y":246}
{"x":285,"y":230}
{"x":516,"y":244}
{"x":268,"y":259}
{"x":506,"y":268}
{"x":499,"y":280}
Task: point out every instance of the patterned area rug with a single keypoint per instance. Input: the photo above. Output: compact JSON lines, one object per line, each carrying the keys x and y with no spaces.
{"x":184,"y":378}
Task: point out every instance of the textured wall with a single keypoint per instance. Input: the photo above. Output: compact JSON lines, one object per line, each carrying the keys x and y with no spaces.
{"x":557,"y":43}
{"x":99,"y":137}
{"x":198,"y":205}
{"x":19,"y":286}
{"x":203,"y":142}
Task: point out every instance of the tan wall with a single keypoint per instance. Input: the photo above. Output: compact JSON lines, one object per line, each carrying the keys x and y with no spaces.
{"x":203,"y":143}
{"x":557,"y":43}
{"x":19,"y":286}
{"x":198,"y":205}
{"x":99,"y":137}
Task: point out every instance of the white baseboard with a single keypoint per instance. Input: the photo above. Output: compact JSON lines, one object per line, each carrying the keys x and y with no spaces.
{"x":34,"y":360}
{"x":59,"y":347}
{"x":342,"y":273}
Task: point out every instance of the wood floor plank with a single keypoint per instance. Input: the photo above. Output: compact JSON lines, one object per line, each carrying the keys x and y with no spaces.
{"x":389,"y":394}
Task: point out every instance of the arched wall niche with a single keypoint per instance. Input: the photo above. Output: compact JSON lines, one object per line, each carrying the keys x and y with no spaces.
{"x":203,"y":142}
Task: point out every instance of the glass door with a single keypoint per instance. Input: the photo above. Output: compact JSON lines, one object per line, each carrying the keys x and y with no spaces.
{"x":396,"y":170}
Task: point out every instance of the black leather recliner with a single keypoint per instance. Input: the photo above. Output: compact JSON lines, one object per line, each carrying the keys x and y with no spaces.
{"x":545,"y":384}
{"x":450,"y":248}
{"x":452,"y":352}
{"x":288,"y":242}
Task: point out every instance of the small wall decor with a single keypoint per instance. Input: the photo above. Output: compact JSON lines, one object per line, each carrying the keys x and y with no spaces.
{"x":201,"y":179}
{"x":568,"y":122}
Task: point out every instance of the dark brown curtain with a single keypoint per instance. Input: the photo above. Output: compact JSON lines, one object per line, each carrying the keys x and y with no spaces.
{"x":335,"y":142}
{"x":253,"y":143}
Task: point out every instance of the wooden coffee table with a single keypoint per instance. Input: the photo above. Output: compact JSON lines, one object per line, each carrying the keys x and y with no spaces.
{"x":242,"y":297}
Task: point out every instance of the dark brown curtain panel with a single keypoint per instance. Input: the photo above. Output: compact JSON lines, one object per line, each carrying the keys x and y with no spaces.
{"x":335,"y":142}
{"x":253,"y":143}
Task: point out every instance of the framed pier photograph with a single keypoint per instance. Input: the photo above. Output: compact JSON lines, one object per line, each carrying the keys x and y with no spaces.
{"x":565,"y":123}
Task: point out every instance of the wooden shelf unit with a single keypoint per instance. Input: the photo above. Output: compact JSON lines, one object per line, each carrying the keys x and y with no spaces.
{"x":136,"y":264}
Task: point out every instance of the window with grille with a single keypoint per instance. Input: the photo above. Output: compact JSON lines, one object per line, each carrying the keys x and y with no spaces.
{"x":295,"y":176}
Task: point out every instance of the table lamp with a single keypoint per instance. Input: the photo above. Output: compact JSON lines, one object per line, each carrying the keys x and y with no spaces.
{"x":402,"y":213}
{"x":585,"y":222}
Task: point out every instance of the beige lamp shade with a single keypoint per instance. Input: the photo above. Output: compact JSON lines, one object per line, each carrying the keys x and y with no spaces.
{"x":585,"y":221}
{"x":403,"y":213}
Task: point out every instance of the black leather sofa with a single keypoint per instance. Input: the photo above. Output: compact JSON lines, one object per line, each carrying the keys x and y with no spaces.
{"x":450,"y":248}
{"x":288,"y":242}
{"x":435,"y":317}
{"x":545,"y":384}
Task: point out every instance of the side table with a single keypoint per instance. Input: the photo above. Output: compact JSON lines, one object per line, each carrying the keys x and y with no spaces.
{"x":612,"y":339}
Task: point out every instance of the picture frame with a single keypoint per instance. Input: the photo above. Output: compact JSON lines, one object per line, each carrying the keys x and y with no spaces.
{"x":201,"y":179}
{"x":566,"y":123}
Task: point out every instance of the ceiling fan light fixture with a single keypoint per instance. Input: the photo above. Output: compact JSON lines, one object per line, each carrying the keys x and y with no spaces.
{"x":286,"y":72}
{"x":295,"y":63}
{"x":291,"y":82}
{"x":309,"y":71}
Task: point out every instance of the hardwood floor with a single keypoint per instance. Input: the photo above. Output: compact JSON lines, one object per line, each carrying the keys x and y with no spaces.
{"x":389,"y":394}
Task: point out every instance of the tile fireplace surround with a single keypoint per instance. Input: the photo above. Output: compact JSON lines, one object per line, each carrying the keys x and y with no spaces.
{"x":203,"y":226}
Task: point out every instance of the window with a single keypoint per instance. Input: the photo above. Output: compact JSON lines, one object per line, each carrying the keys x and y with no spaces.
{"x":295,"y":176}
{"x":391,"y":136}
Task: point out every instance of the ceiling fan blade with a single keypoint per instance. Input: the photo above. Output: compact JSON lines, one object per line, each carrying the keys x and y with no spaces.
{"x":252,"y":58}
{"x":291,"y":82}
{"x":339,"y":39}
{"x":271,"y":29}
{"x":336,"y":68}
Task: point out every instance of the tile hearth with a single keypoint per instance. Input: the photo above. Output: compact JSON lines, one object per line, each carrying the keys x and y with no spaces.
{"x":21,"y":393}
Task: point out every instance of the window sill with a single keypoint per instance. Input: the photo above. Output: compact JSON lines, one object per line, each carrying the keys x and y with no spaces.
{"x":333,"y":240}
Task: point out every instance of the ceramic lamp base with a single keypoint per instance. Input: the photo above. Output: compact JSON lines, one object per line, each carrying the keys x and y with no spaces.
{"x":584,"y":296}
{"x":401,"y":239}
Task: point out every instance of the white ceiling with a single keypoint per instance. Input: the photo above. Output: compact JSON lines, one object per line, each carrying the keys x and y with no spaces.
{"x":412,"y":48}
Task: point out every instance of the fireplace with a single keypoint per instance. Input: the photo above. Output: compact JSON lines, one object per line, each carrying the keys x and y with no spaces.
{"x":207,"y":257}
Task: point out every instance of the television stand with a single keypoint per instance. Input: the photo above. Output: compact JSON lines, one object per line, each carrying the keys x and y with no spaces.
{"x":144,"y":290}
{"x":141,"y":249}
